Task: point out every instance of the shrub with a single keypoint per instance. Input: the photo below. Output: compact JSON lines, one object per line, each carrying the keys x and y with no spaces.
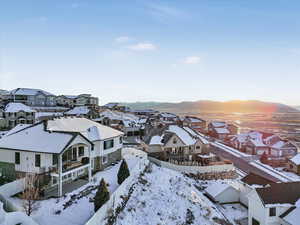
{"x":102,"y":195}
{"x":123,"y":172}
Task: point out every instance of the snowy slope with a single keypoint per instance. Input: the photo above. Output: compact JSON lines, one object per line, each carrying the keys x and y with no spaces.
{"x":167,"y":199}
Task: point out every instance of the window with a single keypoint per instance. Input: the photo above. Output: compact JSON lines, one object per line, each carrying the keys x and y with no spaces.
{"x":273,"y":211}
{"x":54,"y":159}
{"x":37,"y":160}
{"x":17,"y":158}
{"x":54,"y":180}
{"x":121,"y":140}
{"x":108,"y":144}
{"x":104,"y":159}
{"x":174,"y":141}
{"x":81,"y":151}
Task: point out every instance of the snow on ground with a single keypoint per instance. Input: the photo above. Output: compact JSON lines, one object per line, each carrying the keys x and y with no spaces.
{"x":292,"y":175}
{"x":169,"y":198}
{"x":234,"y":212}
{"x":270,"y":170}
{"x":80,"y":212}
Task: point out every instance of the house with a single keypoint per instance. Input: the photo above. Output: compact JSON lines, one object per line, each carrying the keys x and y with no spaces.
{"x":32,"y":97}
{"x":168,"y":118}
{"x":276,"y":203}
{"x":218,"y":130}
{"x":77,"y":100}
{"x":221,"y":129}
{"x":128,"y":123}
{"x":18,"y":113}
{"x":294,"y":164}
{"x":222,"y":193}
{"x":145,"y":112}
{"x":3,"y":97}
{"x":82,"y":111}
{"x":174,"y":142}
{"x":248,"y":184}
{"x":277,"y":150}
{"x":195,"y":123}
{"x":59,"y":151}
{"x":256,"y":147}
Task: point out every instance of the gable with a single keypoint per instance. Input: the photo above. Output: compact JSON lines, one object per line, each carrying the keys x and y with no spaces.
{"x":171,"y":142}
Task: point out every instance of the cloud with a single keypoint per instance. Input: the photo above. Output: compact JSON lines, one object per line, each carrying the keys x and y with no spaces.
{"x":122,"y":39}
{"x":143,"y":46}
{"x":164,"y":13}
{"x":192,"y":60}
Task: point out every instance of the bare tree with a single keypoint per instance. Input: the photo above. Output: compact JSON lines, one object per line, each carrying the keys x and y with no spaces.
{"x":30,"y":195}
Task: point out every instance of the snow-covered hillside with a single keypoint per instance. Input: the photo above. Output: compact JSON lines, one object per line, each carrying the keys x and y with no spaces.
{"x":166,"y":197}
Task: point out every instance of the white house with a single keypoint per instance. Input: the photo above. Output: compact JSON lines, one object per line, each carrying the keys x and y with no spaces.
{"x":222,"y":193}
{"x":60,"y":150}
{"x":271,"y":205}
{"x":248,"y":184}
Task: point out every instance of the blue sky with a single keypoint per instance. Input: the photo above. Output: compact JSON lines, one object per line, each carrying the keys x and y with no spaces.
{"x":153,"y":50}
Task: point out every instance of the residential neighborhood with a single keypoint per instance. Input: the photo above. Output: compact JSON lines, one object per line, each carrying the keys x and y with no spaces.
{"x":149,"y":112}
{"x":67,"y":142}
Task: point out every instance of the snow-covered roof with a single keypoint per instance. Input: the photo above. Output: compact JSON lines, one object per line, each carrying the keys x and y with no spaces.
{"x":168,"y":115}
{"x":222,"y":131}
{"x":13,"y":107}
{"x":47,"y":114}
{"x":29,"y":91}
{"x":296,"y":159}
{"x":79,"y":110}
{"x":293,"y":217}
{"x":71,"y":96}
{"x":84,"y":126}
{"x":17,"y":128}
{"x":278,"y":144}
{"x":194,"y":133}
{"x":111,"y":105}
{"x":257,"y":142}
{"x":216,"y":189}
{"x":182,"y":134}
{"x":194,"y":119}
{"x":218,"y":124}
{"x":36,"y":138}
{"x":156,"y":140}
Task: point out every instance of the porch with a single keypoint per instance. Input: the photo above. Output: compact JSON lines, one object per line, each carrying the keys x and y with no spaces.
{"x":66,"y":188}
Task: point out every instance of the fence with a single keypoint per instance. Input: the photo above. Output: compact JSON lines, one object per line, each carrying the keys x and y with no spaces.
{"x":101,"y":214}
{"x":193,"y":169}
{"x":8,"y":190}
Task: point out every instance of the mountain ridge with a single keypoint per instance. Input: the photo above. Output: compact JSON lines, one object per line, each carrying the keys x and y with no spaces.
{"x":234,"y":106}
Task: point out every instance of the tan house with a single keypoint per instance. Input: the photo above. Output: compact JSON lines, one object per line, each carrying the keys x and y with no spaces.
{"x":179,"y":143}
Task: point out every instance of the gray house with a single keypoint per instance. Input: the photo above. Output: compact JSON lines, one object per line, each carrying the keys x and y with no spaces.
{"x":32,"y":97}
{"x":18,"y":113}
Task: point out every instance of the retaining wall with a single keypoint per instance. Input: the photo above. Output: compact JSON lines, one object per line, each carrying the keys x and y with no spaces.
{"x":193,"y":169}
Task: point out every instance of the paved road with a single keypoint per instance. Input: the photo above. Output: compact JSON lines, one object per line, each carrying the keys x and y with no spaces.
{"x":242,"y":164}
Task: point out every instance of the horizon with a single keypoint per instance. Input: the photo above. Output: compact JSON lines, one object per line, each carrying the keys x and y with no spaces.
{"x":161,"y":51}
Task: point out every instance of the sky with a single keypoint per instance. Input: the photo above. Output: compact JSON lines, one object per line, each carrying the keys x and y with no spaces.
{"x":147,"y":50}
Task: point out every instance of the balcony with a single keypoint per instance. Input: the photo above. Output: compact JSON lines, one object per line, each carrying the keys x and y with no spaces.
{"x":70,"y":165}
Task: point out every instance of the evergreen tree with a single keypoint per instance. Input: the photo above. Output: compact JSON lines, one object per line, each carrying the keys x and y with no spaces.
{"x":123,"y":172}
{"x":102,"y":195}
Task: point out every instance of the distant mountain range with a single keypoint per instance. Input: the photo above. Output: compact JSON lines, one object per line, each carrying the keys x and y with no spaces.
{"x":251,"y":106}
